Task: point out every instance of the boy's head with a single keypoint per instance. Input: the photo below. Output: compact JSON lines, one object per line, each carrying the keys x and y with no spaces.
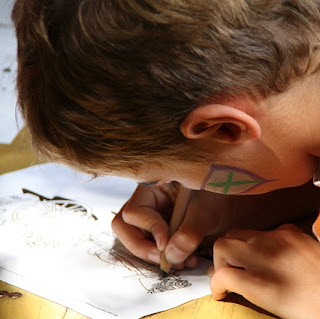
{"x":118,"y":86}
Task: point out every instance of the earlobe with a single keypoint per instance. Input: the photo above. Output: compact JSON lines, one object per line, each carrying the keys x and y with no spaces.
{"x":222,"y":123}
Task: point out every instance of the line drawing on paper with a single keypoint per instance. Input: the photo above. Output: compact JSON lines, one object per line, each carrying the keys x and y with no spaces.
{"x":147,"y":274}
{"x":67,"y":205}
{"x":59,"y":222}
{"x":47,"y":222}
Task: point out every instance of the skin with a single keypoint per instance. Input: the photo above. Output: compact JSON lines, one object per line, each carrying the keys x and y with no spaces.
{"x":147,"y":212}
{"x":231,"y":180}
{"x":282,"y":265}
{"x":276,"y":139}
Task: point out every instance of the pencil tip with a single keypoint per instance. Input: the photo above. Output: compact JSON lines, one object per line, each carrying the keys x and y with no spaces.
{"x":163,"y":274}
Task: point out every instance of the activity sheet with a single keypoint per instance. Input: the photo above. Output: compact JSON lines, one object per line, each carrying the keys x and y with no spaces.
{"x":57,"y":242}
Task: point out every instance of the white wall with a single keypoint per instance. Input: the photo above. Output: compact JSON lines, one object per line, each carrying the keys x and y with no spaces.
{"x":5,"y":11}
{"x":7,"y":79}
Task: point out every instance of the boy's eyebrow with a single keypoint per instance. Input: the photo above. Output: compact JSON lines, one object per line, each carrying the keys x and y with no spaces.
{"x":152,"y":183}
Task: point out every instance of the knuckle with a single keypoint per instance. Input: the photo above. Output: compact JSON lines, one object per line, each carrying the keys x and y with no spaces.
{"x":127,"y":214}
{"x":289,"y":227}
{"x":219,"y":275}
{"x":233,"y":232}
{"x":190,"y":241}
{"x":220,"y":244}
{"x":116,"y":222}
{"x":154,"y":226}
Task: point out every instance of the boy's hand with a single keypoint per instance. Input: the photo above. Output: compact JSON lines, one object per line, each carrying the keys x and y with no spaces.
{"x":277,"y":270}
{"x":142,"y":224}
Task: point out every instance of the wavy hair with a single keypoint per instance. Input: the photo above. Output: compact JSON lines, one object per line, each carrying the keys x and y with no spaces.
{"x":104,"y":84}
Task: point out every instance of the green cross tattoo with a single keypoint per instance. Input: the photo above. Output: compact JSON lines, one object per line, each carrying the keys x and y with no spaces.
{"x":229,"y":183}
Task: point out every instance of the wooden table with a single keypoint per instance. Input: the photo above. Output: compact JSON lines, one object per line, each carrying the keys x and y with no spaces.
{"x":18,"y":155}
{"x":30,"y":306}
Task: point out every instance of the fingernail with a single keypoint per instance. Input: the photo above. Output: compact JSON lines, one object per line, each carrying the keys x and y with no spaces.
{"x":154,"y":257}
{"x":175,"y":255}
{"x":159,"y":242}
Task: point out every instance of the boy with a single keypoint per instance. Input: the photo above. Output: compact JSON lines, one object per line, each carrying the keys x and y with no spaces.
{"x":220,"y":96}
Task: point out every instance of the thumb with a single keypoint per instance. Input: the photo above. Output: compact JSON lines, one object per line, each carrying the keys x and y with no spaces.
{"x":181,"y":245}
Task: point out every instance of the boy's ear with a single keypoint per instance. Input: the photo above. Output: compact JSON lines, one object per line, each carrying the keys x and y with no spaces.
{"x":223,"y":123}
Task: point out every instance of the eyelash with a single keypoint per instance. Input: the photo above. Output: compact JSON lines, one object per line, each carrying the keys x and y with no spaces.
{"x":149,"y":183}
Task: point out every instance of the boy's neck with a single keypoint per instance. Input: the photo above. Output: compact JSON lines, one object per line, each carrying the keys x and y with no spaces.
{"x":297,"y":111}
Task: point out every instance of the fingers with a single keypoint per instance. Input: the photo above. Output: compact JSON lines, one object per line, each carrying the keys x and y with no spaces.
{"x":138,"y":244}
{"x":232,"y":252}
{"x":242,"y":282}
{"x":192,"y":261}
{"x":247,"y":235}
{"x":148,"y":219}
{"x":198,"y":222}
{"x":181,"y":245}
{"x":139,"y":217}
{"x":142,"y":211}
{"x":290,"y":227}
{"x":247,"y":249}
{"x":224,"y":281}
{"x":239,"y":266}
{"x":263,"y":266}
{"x":135,"y":240}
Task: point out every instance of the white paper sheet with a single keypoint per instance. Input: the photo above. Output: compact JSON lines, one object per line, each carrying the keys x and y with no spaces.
{"x":64,"y":250}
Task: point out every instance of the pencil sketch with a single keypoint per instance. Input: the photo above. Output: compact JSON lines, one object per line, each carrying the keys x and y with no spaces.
{"x":44,"y":222}
{"x":67,"y":205}
{"x":110,"y":250}
{"x":57,"y":241}
{"x":169,"y":283}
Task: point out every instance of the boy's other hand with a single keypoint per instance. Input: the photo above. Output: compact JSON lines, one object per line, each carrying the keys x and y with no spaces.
{"x":277,"y":270}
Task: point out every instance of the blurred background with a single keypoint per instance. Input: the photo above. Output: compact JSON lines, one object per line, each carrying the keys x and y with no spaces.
{"x":9,"y":120}
{"x":15,"y":148}
{"x":5,"y":9}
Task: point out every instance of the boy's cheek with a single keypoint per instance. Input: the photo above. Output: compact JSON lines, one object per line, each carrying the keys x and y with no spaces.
{"x":231,"y":180}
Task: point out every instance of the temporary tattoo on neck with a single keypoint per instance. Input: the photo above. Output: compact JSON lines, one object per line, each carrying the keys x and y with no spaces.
{"x":231,"y":180}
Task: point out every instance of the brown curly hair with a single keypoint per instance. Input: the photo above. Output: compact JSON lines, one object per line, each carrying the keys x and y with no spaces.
{"x":104,"y":84}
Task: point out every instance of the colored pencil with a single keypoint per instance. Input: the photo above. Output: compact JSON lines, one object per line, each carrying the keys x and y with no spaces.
{"x":179,"y":211}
